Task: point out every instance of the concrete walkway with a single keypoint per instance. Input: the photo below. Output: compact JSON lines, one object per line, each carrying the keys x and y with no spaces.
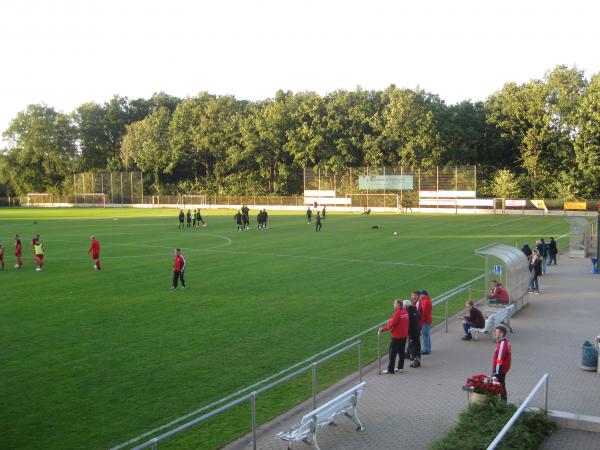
{"x":413,"y":409}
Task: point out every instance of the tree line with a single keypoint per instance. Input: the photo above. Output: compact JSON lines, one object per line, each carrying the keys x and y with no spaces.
{"x":536,"y":139}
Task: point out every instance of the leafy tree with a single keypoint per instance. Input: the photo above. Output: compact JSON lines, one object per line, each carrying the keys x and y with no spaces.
{"x":587,"y":142}
{"x":41,"y":150}
{"x":505,"y":184}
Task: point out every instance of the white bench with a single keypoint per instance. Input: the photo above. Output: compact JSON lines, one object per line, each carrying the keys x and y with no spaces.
{"x":502,"y":316}
{"x":324,"y":415}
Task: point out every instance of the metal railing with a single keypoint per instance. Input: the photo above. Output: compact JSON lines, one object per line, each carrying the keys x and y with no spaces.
{"x":518,"y":412}
{"x":153,"y":443}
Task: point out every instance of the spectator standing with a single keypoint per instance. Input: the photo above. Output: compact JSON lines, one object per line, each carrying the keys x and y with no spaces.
{"x":535,"y":268}
{"x":552,"y":251}
{"x":414,"y":334}
{"x":527,"y":251}
{"x":498,"y":294}
{"x":425,"y":320}
{"x":398,"y":325}
{"x":474,"y":319}
{"x":502,"y":358}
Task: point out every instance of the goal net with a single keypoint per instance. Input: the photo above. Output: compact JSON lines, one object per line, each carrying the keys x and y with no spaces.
{"x":191,"y":200}
{"x":94,"y":200}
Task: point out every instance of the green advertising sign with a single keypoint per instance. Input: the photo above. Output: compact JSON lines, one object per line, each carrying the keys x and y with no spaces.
{"x":385,"y":182}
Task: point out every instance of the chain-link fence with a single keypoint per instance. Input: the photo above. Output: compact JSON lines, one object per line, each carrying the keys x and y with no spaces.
{"x":118,"y":187}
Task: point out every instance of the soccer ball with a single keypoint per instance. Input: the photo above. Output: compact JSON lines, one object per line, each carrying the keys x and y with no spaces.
{"x":16,"y":266}
{"x":38,"y":269}
{"x":395,"y":233}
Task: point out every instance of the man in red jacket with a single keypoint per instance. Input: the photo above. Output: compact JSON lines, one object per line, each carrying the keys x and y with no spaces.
{"x":426,"y":319}
{"x":178,"y":269}
{"x":498,"y":294}
{"x":398,"y":324}
{"x":502,"y":358}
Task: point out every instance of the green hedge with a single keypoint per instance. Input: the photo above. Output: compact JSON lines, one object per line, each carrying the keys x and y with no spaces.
{"x":479,"y":424}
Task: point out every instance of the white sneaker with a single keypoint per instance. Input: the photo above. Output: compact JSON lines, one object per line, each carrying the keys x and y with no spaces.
{"x":386,"y":371}
{"x":399,"y":370}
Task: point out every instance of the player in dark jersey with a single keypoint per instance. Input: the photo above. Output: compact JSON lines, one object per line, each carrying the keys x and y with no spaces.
{"x":238,"y":220}
{"x":318,"y":223}
{"x":1,"y":256}
{"x":181,"y":219}
{"x":265,"y":218}
{"x":199,"y":218}
{"x":194,"y":216}
{"x":309,"y":215}
{"x":189,"y":219}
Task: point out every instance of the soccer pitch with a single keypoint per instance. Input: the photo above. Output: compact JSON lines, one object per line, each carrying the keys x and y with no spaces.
{"x":91,"y":359}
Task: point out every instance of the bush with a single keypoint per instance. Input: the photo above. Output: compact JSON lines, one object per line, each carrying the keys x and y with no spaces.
{"x":479,"y":424}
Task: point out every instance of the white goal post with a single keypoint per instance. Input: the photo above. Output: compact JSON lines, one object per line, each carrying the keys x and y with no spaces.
{"x":193,"y":200}
{"x":46,"y":199}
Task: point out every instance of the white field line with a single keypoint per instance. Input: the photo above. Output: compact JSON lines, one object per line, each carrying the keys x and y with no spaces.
{"x":508,"y":221}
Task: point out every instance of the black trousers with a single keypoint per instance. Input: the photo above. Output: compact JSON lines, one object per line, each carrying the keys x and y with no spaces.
{"x":502,"y":379}
{"x":178,"y":276}
{"x":318,"y":227}
{"x":397,"y":347}
{"x":414,"y":347}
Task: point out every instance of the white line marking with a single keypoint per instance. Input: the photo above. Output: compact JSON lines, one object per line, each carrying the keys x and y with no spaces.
{"x":508,"y":221}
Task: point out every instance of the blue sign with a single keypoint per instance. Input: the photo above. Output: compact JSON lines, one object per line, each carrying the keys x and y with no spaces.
{"x":498,"y":269}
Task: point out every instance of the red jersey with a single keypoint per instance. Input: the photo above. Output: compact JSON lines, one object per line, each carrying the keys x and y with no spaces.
{"x":95,"y":247}
{"x":18,"y":249}
{"x":500,"y":294}
{"x":179,"y":264}
{"x":398,"y":323}
{"x":502,"y":356}
{"x":426,"y":310}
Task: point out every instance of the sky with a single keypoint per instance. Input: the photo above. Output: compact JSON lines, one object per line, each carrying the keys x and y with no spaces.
{"x":67,"y":52}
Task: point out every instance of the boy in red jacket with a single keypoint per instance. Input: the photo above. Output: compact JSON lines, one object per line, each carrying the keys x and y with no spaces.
{"x":178,"y":269}
{"x":502,"y":358}
{"x":398,"y":324}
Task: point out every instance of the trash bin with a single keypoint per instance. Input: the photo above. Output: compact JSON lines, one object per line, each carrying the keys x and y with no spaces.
{"x":589,"y":357}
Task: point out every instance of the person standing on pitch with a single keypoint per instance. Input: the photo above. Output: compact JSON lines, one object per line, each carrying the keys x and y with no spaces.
{"x":181,"y":219}
{"x":309,"y":215}
{"x":95,"y":251}
{"x":502,"y":358}
{"x":39,"y":249}
{"x":189,"y":218}
{"x":178,"y":270}
{"x":398,"y":324}
{"x":238,"y":221}
{"x":318,"y":225}
{"x":18,"y":252}
{"x":1,"y":256}
{"x":324,"y":212}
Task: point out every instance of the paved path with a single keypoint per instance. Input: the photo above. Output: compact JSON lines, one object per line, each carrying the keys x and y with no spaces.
{"x":413,"y":409}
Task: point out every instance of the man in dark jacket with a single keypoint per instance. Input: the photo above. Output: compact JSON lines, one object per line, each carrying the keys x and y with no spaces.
{"x":552,"y":251}
{"x":527,"y":251}
{"x":414,"y":334}
{"x":474,"y":319}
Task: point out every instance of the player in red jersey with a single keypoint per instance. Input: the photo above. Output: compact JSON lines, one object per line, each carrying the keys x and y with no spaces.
{"x":18,"y":252}
{"x":95,"y":251}
{"x":178,"y":269}
{"x":1,"y":256}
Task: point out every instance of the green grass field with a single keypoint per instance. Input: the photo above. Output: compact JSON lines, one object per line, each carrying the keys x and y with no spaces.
{"x":91,"y":359}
